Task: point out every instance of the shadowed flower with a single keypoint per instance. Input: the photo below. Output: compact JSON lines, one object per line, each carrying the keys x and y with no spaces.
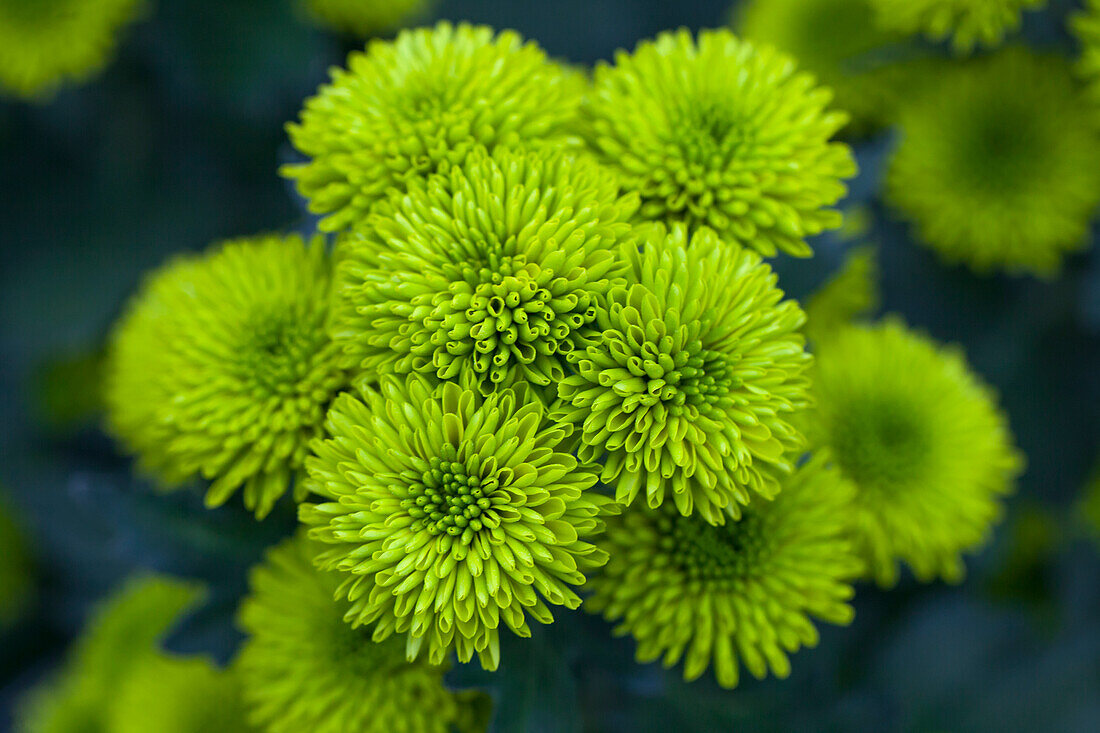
{"x":45,"y":43}
{"x":365,"y":17}
{"x":687,"y":394}
{"x":922,"y":439}
{"x":222,"y":367}
{"x":448,"y":513}
{"x":998,"y":166}
{"x":305,"y":669}
{"x":838,"y":41}
{"x":409,"y":107}
{"x":490,"y":272}
{"x":743,"y":593}
{"x":721,"y":133}
{"x":966,"y":22}
{"x":1086,"y":27}
{"x":15,"y":569}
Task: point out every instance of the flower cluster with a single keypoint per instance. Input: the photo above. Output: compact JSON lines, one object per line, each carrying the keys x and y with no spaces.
{"x":44,"y":43}
{"x":966,"y":22}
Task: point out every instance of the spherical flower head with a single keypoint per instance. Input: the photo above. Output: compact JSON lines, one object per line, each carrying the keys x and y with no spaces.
{"x":489,"y":273}
{"x":449,"y":513}
{"x":44,"y":43}
{"x":418,"y":104}
{"x":721,"y":133}
{"x":839,"y":41}
{"x":687,"y":394}
{"x":365,"y":17}
{"x":305,"y":669}
{"x":922,"y":439}
{"x":742,"y":593}
{"x":222,"y":368}
{"x":966,"y":22}
{"x":15,"y":569}
{"x":998,"y":165}
{"x":122,"y":633}
{"x":170,"y":694}
{"x":1086,"y":27}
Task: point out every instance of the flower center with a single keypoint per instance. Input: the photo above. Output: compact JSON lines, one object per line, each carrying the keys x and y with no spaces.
{"x":880,"y":445}
{"x":711,"y":554}
{"x":449,"y":499}
{"x":692,"y":378}
{"x":280,"y":351}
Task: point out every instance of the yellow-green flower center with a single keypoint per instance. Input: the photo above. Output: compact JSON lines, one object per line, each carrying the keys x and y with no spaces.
{"x":449,"y":498}
{"x":712,"y":556}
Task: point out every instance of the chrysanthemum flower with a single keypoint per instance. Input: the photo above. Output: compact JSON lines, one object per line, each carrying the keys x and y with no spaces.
{"x":743,"y":593}
{"x":449,"y":513}
{"x":222,"y":367}
{"x":922,"y":439}
{"x":837,"y":40}
{"x":998,"y":165}
{"x":44,"y":43}
{"x":721,"y":133}
{"x":1086,"y":26}
{"x":489,"y":272}
{"x":15,"y":569}
{"x":121,"y":634}
{"x":365,"y":17}
{"x":305,"y":669}
{"x":170,"y":694}
{"x":687,"y":394}
{"x":851,"y":294}
{"x":415,"y":105}
{"x":966,"y":22}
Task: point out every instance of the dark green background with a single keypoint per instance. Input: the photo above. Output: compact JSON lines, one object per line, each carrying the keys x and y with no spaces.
{"x":177,"y":145}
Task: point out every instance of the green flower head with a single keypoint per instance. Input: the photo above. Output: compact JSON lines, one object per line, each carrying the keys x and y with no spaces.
{"x":123,"y":633}
{"x":305,"y":669}
{"x":966,"y":22}
{"x":448,"y":513}
{"x":998,"y":165}
{"x":837,"y":40}
{"x":44,"y":43}
{"x":222,"y":367}
{"x":721,"y":133}
{"x":489,"y":273}
{"x":409,"y":107}
{"x":365,"y":17}
{"x":1086,"y":27}
{"x":922,"y":439}
{"x":689,"y":390}
{"x":743,"y":593}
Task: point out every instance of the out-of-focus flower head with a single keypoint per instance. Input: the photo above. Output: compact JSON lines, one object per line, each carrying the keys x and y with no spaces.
{"x":365,"y":17}
{"x":966,"y":22}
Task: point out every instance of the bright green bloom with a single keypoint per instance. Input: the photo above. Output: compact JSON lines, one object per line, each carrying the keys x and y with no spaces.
{"x":998,"y":165}
{"x":721,"y":133}
{"x":122,"y":633}
{"x":1086,"y":27}
{"x":966,"y":22}
{"x":689,"y":390}
{"x":922,"y":439}
{"x":222,"y":367}
{"x":418,"y":104}
{"x":44,"y":43}
{"x":365,"y":17}
{"x":305,"y":669}
{"x":489,"y":272}
{"x":449,"y":513}
{"x":839,"y":41}
{"x":15,"y":569}
{"x":169,"y":694}
{"x":740,"y":593}
{"x":851,"y":294}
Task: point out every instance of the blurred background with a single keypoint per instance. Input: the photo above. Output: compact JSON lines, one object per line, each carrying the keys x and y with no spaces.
{"x":177,"y":144}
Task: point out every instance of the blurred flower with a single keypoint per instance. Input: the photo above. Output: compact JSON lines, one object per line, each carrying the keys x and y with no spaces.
{"x":851,"y":293}
{"x":305,"y":669}
{"x":15,"y":569}
{"x":1086,"y":27}
{"x":922,"y":439}
{"x":45,"y":43}
{"x":966,"y":22}
{"x":221,"y":367}
{"x":838,"y":41}
{"x":409,"y":107}
{"x":498,"y":288}
{"x":121,"y":634}
{"x":449,"y":513}
{"x":741,"y":593}
{"x":721,"y":133}
{"x":998,"y":165}
{"x":1088,"y":506}
{"x":689,"y":389}
{"x":365,"y":17}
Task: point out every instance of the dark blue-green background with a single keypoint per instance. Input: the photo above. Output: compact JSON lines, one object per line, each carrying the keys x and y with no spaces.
{"x":177,"y":145}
